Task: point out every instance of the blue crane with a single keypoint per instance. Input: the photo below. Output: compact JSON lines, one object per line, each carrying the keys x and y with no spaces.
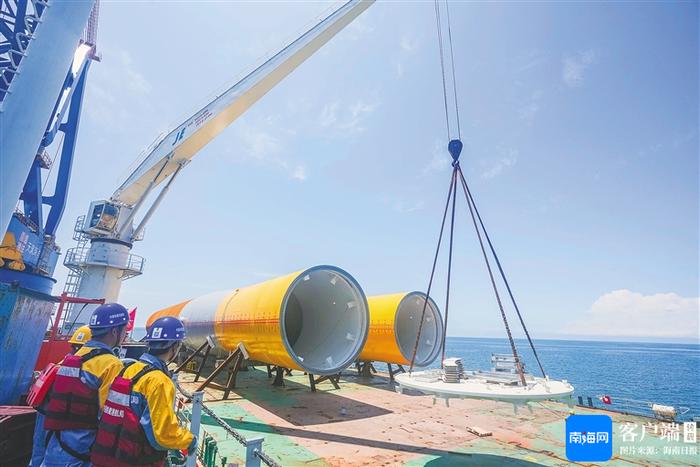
{"x":45,"y":54}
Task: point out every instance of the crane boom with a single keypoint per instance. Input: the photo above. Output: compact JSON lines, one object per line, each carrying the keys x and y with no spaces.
{"x":109,"y":225}
{"x":188,"y":138}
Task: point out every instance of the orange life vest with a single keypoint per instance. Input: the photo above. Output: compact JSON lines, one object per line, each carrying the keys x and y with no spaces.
{"x":72,"y":403}
{"x":121,"y":440}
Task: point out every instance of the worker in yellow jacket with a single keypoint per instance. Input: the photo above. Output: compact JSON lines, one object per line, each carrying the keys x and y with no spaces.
{"x":139,"y":424}
{"x":80,"y":389}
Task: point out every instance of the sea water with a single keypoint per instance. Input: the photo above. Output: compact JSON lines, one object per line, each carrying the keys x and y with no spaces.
{"x":667,"y":374}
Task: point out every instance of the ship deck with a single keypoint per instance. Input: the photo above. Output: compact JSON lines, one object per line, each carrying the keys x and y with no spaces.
{"x":366,"y":422}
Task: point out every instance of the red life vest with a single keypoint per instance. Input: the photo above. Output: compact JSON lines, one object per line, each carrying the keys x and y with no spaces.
{"x":121,"y":440}
{"x":42,"y":386}
{"x":72,"y":403}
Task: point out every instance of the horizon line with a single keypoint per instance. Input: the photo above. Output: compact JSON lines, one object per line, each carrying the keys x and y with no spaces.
{"x":611,"y":339}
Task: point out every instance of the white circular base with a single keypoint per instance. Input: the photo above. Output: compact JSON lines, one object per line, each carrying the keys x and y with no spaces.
{"x":430,"y":382}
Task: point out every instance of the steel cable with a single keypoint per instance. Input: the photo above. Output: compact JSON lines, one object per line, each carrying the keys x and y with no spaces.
{"x":452,"y":195}
{"x":453,"y":182}
{"x":442,"y":65}
{"x":452,"y":63}
{"x":449,"y":264}
{"x":503,"y":275}
{"x":495,"y":288}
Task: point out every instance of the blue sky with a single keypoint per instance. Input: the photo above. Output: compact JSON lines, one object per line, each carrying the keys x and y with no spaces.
{"x":580,"y":125}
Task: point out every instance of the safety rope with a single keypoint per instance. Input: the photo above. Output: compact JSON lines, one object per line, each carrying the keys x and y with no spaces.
{"x":449,"y":262}
{"x":228,"y":428}
{"x":455,"y":148}
{"x":453,"y":182}
{"x":495,"y":288}
{"x":266,"y":459}
{"x":503,"y":274}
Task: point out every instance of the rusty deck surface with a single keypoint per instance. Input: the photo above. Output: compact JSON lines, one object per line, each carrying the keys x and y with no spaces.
{"x":366,"y":422}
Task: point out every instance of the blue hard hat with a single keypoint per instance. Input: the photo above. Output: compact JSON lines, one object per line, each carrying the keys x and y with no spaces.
{"x":166,"y":329}
{"x":109,"y":315}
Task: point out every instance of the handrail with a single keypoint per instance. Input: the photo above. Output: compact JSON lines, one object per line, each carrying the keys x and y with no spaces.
{"x":643,"y":408}
{"x":254,"y":450}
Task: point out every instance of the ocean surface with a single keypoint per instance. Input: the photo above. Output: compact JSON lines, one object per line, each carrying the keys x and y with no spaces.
{"x":667,"y":374}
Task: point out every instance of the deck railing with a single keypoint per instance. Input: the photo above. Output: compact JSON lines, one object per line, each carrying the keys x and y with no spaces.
{"x":207,"y":451}
{"x":636,"y":407}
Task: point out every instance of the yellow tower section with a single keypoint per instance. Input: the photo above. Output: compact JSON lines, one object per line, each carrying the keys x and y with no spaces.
{"x":393,"y":328}
{"x":315,"y":320}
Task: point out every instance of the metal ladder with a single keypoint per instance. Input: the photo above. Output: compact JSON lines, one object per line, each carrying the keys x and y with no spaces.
{"x":75,"y":274}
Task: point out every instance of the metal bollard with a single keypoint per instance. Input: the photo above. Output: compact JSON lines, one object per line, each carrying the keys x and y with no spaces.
{"x":195,"y":422}
{"x":252,"y":446}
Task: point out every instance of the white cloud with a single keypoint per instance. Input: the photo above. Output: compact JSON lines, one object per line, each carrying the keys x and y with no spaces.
{"x":265,"y":149}
{"x":529,"y":110}
{"x":405,"y":208}
{"x":407,"y":44}
{"x":258,"y":144}
{"x":360,"y":108}
{"x":508,"y":158}
{"x":329,"y":114}
{"x":299,"y":173}
{"x":401,"y":204}
{"x":346,"y":118}
{"x":115,"y":93}
{"x":135,"y":81}
{"x":623,"y":313}
{"x":573,"y":68}
{"x":104,"y":107}
{"x":528,"y":60}
{"x":407,"y":47}
{"x":358,"y":28}
{"x":440,"y":160}
{"x":266,"y":139}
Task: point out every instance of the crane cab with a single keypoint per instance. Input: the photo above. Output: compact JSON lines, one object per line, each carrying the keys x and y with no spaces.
{"x":102,"y":218}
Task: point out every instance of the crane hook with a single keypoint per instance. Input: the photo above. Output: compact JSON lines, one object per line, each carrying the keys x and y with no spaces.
{"x":455,"y":149}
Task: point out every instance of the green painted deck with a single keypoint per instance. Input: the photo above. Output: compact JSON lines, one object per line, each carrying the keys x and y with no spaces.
{"x":366,"y":422}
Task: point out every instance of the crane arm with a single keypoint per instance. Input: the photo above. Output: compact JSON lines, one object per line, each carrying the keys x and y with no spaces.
{"x":180,"y":145}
